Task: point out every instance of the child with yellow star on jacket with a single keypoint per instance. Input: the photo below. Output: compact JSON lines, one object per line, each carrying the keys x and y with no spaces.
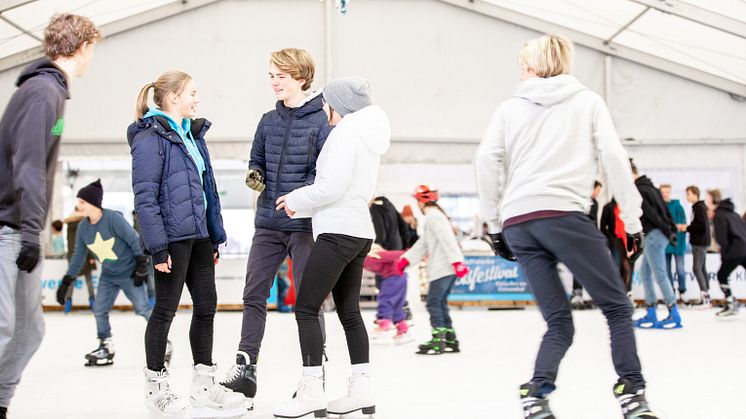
{"x":116,"y":246}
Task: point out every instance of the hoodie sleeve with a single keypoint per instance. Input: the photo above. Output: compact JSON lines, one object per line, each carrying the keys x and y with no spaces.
{"x":721,"y":233}
{"x":490,"y":167}
{"x":333,"y":178}
{"x":256,"y":158}
{"x":699,"y":220}
{"x":147,"y":170}
{"x":442,"y":230}
{"x":615,"y":164}
{"x":29,"y":159}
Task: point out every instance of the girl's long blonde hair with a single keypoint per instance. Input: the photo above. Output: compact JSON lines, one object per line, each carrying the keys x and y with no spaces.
{"x":170,"y":81}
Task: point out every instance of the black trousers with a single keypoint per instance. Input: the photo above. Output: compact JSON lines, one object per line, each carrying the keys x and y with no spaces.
{"x":192,"y":264}
{"x":727,"y":266}
{"x":573,"y":240}
{"x":336,"y":266}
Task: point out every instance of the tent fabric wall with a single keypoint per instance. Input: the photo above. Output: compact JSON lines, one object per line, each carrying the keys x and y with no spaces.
{"x":438,"y":70}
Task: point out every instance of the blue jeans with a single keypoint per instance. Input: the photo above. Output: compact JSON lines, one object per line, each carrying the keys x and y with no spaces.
{"x":574,"y":240}
{"x":653,"y":267}
{"x":108,"y":289}
{"x":437,"y":301}
{"x":680,"y":271}
{"x":21,"y":320}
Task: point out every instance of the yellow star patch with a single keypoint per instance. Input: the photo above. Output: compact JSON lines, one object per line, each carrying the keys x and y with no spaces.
{"x":103,"y":249}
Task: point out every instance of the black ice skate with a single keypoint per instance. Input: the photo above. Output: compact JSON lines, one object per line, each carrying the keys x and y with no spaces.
{"x":534,"y":405}
{"x":730,"y":308}
{"x":242,"y":379}
{"x":633,"y":403}
{"x":436,"y":345}
{"x":102,"y":356}
{"x":452,"y":345}
{"x":3,"y":412}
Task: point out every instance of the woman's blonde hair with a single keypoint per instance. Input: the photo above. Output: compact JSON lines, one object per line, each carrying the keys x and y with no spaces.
{"x":170,"y":81}
{"x":548,"y":56}
{"x":297,"y":63}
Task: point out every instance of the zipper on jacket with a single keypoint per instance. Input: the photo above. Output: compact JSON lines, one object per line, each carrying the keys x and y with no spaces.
{"x":282,"y":158}
{"x":311,"y":151}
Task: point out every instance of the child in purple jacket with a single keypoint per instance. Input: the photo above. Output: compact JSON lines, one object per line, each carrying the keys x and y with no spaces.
{"x":392,"y":320}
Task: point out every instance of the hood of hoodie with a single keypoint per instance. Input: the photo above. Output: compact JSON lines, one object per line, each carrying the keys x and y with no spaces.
{"x":42,"y":67}
{"x":549,"y":91}
{"x":312,"y":103}
{"x":727,"y":205}
{"x":373,"y":127}
{"x":644,"y":181}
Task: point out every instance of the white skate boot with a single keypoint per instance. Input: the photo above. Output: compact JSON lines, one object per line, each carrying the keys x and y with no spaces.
{"x":211,"y":399}
{"x":309,"y":398}
{"x":158,"y":396}
{"x":359,"y":397}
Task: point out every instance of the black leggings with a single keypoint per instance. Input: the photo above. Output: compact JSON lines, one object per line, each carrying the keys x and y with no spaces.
{"x":727,"y":266}
{"x":191,"y":263}
{"x":335,"y":265}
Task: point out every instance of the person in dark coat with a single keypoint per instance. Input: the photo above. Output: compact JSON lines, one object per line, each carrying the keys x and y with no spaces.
{"x":699,"y":238}
{"x":730,"y":232}
{"x":30,"y":132}
{"x":178,"y":208}
{"x":287,"y":143}
{"x":660,"y":231}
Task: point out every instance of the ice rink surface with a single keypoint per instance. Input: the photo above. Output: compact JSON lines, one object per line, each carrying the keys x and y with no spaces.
{"x":693,"y":373}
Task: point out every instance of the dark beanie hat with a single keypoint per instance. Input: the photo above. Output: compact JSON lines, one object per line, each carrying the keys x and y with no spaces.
{"x":93,"y":193}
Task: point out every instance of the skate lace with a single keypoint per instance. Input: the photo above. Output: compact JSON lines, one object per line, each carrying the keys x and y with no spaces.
{"x":233,"y":374}
{"x":167,"y":397}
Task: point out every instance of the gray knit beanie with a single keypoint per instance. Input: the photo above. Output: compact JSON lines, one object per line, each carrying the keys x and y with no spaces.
{"x":348,"y":94}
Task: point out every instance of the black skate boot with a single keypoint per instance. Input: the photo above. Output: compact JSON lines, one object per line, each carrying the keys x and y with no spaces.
{"x":730,"y":308}
{"x":436,"y":345}
{"x":102,"y":356}
{"x":451,"y":342}
{"x":242,"y":379}
{"x":534,"y":405}
{"x":633,"y":403}
{"x":3,"y":412}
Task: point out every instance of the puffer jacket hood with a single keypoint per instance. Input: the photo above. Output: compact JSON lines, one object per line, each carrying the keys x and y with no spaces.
{"x":161,"y":126}
{"x":372,"y":126}
{"x":549,"y":91}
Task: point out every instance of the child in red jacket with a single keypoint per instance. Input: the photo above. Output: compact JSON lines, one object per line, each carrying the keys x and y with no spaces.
{"x":391,"y":298}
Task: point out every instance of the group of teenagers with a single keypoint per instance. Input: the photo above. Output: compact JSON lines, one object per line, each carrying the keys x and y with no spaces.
{"x":317,"y":155}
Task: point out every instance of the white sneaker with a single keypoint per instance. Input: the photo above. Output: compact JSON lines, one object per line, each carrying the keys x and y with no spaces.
{"x":211,"y":399}
{"x":158,"y":396}
{"x":309,"y":398}
{"x":359,"y":397}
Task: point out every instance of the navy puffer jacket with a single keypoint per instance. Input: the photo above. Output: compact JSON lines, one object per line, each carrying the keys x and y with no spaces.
{"x":285,"y":148}
{"x":168,"y":191}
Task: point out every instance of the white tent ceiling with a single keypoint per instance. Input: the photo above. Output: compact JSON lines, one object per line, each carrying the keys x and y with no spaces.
{"x":702,"y":40}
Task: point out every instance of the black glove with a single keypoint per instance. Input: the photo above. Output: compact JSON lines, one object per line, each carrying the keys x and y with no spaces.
{"x":635,"y":245}
{"x":28,"y":258}
{"x":141,"y":270}
{"x":255,"y":180}
{"x":673,"y":239}
{"x":64,"y":292}
{"x":500,"y":246}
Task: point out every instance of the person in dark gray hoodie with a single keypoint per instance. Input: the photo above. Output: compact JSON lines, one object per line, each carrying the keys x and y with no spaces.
{"x":730,"y":233}
{"x":30,"y":131}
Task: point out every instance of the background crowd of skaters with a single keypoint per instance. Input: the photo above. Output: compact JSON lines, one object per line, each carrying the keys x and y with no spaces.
{"x":314,"y":206}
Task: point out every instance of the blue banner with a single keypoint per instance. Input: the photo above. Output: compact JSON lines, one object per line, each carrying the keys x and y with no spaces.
{"x":491,"y":278}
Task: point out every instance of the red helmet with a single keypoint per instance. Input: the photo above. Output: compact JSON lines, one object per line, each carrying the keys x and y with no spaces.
{"x":424,"y":194}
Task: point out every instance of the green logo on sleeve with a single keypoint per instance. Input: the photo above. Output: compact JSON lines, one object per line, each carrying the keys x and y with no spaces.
{"x":58,"y":127}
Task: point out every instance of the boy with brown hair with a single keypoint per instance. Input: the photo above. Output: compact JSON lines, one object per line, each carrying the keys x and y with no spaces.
{"x":283,"y":157}
{"x":30,"y":132}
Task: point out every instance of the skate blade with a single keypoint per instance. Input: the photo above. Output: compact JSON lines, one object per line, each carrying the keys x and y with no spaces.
{"x":99,"y":364}
{"x":209,"y":413}
{"x":313,"y":414}
{"x":370,"y":410}
{"x":669,"y":326}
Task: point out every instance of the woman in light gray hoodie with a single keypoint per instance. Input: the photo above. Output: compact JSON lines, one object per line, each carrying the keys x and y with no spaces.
{"x":536,"y":168}
{"x":346,"y":179}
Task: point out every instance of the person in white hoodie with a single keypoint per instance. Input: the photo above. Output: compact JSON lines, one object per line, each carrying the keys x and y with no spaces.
{"x":347,"y":174}
{"x":536,"y":167}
